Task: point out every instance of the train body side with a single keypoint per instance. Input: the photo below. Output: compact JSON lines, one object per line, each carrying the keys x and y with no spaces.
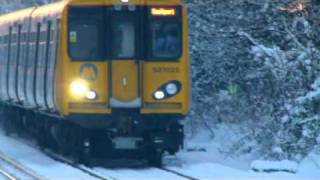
{"x":29,"y":42}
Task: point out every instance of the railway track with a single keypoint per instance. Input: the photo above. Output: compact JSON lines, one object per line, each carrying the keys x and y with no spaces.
{"x":179,"y":174}
{"x":58,"y":158}
{"x":17,"y":170}
{"x":6,"y":174}
{"x":64,"y":160}
{"x":103,"y":177}
{"x":77,"y":166}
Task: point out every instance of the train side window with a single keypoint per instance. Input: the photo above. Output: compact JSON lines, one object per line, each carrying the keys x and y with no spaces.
{"x":43,"y":36}
{"x":6,"y":39}
{"x":24,"y":36}
{"x":34,"y":37}
{"x":30,"y":37}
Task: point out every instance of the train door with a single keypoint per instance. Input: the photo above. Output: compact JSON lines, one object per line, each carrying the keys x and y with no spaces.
{"x":4,"y":63}
{"x":34,"y":38}
{"x":42,"y":63}
{"x":13,"y":62}
{"x":52,"y":57}
{"x":22,"y":60}
{"x":124,"y":67}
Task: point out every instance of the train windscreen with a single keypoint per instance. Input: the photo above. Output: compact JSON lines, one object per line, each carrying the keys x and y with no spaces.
{"x":101,"y":33}
{"x":123,"y":35}
{"x":166,"y":39}
{"x":86,"y":33}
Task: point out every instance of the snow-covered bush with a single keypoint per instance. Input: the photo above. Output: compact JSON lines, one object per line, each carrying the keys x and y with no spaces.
{"x":251,"y":61}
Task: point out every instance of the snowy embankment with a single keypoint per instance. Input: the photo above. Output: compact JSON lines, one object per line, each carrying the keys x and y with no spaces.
{"x":37,"y":161}
{"x":211,"y":162}
{"x":207,"y":164}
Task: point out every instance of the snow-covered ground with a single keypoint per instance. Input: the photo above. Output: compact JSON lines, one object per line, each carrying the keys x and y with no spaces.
{"x":51,"y":169}
{"x":37,"y":161}
{"x":206,"y":165}
{"x":211,"y":164}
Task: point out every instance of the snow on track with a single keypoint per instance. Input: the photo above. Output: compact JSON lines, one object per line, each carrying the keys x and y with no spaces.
{"x":196,"y":165}
{"x":139,"y":174}
{"x":6,"y":175}
{"x":46,"y":166}
{"x":14,"y":170}
{"x":39,"y":162}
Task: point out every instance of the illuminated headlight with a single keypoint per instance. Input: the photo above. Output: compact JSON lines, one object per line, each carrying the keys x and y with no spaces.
{"x":159,"y":95}
{"x":78,"y":88}
{"x":92,"y":95}
{"x":171,"y":88}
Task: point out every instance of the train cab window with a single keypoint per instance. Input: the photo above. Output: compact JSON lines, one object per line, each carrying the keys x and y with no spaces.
{"x":123,"y":35}
{"x":165,"y":33}
{"x":86,"y":33}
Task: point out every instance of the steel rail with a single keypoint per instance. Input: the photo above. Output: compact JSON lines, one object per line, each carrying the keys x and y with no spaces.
{"x":23,"y":169}
{"x":178,"y":174}
{"x":77,"y":166}
{"x":63,"y":160}
{"x":7,"y":175}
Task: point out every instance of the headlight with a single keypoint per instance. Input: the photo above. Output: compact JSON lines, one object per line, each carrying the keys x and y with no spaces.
{"x":159,"y":95}
{"x":92,"y":95}
{"x":78,"y":88}
{"x":167,"y":90}
{"x":171,"y":88}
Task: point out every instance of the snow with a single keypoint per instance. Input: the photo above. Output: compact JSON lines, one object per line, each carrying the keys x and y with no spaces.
{"x":206,"y":164}
{"x":37,"y":161}
{"x":214,"y":164}
{"x":199,"y":168}
{"x":138,"y":174}
{"x":51,"y":169}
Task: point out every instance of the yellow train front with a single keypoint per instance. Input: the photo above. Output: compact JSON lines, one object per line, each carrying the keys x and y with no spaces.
{"x":106,"y":77}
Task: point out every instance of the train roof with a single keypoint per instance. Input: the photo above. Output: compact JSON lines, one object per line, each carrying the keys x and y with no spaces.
{"x":14,"y":16}
{"x":124,"y":1}
{"x":57,"y":7}
{"x":18,"y":15}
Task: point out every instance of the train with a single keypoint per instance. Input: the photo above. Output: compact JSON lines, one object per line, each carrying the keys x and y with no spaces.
{"x":97,"y":78}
